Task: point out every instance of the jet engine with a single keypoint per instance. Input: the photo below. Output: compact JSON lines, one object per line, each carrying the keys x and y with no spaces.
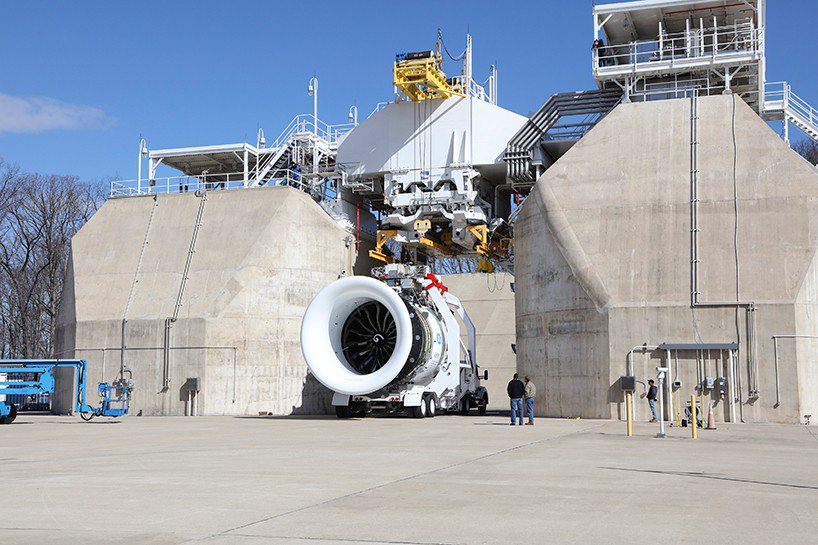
{"x":359,"y":336}
{"x":390,"y":340}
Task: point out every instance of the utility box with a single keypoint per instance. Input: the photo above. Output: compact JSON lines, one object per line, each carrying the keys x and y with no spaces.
{"x":191,"y":385}
{"x":721,"y":386}
{"x":628,"y":384}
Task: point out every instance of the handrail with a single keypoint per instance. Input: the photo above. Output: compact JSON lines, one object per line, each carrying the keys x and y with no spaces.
{"x":308,"y":123}
{"x":680,"y":48}
{"x":208,"y":182}
{"x":378,"y":107}
{"x":780,"y":92}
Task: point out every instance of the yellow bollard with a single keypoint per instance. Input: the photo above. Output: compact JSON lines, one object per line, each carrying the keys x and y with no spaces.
{"x":693,"y":415}
{"x":629,"y":411}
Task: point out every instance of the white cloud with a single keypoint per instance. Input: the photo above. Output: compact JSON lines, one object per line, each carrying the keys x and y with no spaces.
{"x":38,"y":114}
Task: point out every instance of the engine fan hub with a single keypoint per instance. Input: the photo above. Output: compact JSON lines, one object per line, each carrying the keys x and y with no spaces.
{"x":368,"y":337}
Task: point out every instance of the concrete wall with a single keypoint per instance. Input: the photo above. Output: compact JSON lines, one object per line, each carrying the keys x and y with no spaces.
{"x":489,"y":301}
{"x":603,"y":259}
{"x":259,"y":259}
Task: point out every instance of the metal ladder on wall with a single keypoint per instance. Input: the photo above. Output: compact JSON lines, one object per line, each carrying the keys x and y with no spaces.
{"x":169,"y":321}
{"x":189,"y":259}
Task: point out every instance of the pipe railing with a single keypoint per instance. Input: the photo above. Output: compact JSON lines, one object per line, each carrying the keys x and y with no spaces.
{"x":207,"y":182}
{"x":679,"y":48}
{"x":778,"y":96}
{"x":308,"y":123}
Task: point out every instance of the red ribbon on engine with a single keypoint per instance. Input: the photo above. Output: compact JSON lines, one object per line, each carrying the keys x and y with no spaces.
{"x":435,"y":283}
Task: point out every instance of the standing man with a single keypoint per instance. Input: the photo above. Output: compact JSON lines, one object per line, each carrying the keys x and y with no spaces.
{"x":651,"y":395}
{"x":530,"y":394}
{"x":516,"y":391}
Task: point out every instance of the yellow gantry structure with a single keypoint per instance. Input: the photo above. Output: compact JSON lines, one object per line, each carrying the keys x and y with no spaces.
{"x":420,"y":76}
{"x":486,"y":248}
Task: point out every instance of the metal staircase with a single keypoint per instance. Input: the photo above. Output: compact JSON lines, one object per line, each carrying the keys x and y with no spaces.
{"x":781,"y":104}
{"x":552,"y":130}
{"x":272,"y":163}
{"x":305,"y":136}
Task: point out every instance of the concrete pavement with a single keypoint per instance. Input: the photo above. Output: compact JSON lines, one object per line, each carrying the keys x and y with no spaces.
{"x":447,"y":480}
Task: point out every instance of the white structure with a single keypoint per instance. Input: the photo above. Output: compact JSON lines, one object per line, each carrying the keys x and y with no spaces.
{"x":437,"y":160}
{"x":657,"y":49}
{"x":304,"y":147}
{"x":432,"y":161}
{"x":393,"y":344}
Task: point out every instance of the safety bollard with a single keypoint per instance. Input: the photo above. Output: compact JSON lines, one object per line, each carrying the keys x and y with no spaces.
{"x":693,"y":415}
{"x":629,"y":411}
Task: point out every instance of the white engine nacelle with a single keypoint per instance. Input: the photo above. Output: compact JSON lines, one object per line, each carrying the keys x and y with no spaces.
{"x":360,"y":336}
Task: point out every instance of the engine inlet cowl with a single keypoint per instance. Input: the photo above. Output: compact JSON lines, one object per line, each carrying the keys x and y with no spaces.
{"x":356,"y":335}
{"x":360,"y":336}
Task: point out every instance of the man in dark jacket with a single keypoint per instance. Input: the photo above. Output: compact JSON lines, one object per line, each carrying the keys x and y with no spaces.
{"x":516,"y":391}
{"x":651,"y":395}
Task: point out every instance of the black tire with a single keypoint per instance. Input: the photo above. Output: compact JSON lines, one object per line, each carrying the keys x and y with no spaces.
{"x":465,"y":405}
{"x":482,"y":405}
{"x":343,"y":412}
{"x":87,"y":416}
{"x":431,"y":407}
{"x":417,"y":412}
{"x":358,"y":410}
{"x":9,"y":418}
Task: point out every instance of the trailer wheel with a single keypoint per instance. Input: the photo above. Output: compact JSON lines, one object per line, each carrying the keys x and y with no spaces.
{"x":12,"y":415}
{"x":465,"y":405}
{"x":419,"y":411}
{"x":482,"y":404}
{"x":9,"y":418}
{"x":431,"y":408}
{"x":343,"y":412}
{"x":358,"y":410}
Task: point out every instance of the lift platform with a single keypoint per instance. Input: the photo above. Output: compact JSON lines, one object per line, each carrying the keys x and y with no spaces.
{"x":114,"y":397}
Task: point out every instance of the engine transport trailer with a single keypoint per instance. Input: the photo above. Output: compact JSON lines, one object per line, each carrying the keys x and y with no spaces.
{"x":392,"y":343}
{"x":38,"y":378}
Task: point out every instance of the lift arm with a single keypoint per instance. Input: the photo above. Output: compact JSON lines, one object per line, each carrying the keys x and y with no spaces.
{"x":115,"y":397}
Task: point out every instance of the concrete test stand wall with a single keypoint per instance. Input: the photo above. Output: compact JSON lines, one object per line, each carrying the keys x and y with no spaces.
{"x":603,"y":259}
{"x":260,"y":257}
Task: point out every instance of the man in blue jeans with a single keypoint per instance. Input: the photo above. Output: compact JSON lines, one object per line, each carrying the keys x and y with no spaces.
{"x":651,"y":395}
{"x":516,"y":391}
{"x":530,"y":394}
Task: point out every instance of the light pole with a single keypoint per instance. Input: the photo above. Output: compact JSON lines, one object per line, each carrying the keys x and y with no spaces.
{"x":143,"y":150}
{"x":312,"y":90}
{"x":353,"y":115}
{"x":661,"y":371}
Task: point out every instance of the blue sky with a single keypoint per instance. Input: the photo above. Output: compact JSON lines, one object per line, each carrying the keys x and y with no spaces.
{"x":88,"y":78}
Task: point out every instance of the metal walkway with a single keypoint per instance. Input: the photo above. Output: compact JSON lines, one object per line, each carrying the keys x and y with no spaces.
{"x":552,"y":130}
{"x":781,"y":104}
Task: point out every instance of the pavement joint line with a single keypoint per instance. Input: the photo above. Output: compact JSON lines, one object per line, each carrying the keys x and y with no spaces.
{"x":344,"y":540}
{"x":410,"y":477}
{"x":713,"y":477}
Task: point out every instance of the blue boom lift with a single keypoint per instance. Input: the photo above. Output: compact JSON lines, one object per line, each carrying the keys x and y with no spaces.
{"x":115,"y":397}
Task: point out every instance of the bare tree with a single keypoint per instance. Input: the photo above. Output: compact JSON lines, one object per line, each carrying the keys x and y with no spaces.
{"x":808,"y":149}
{"x":38,"y":216}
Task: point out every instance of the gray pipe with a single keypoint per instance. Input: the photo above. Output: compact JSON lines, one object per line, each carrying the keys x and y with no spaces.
{"x":124,"y":347}
{"x":166,"y":357}
{"x":775,"y":356}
